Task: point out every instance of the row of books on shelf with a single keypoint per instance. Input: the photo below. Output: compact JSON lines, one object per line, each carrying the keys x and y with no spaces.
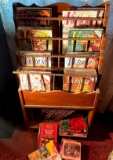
{"x":31,"y":39}
{"x":48,"y":146}
{"x":50,"y":114}
{"x":27,"y":16}
{"x":43,"y":82}
{"x":34,"y":32}
{"x":45,"y":60}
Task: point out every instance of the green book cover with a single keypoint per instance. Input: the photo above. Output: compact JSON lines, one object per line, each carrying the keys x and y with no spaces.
{"x":81,"y":45}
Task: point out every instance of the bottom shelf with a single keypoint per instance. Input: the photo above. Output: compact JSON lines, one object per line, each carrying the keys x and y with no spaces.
{"x":55,"y":105}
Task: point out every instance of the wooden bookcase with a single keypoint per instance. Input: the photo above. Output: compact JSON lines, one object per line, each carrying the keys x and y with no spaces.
{"x":57,"y":98}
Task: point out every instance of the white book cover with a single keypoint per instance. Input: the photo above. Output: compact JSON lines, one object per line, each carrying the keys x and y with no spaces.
{"x":24,"y":82}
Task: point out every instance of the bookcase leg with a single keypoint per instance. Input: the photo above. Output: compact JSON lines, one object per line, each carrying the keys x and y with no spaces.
{"x":25,"y":113}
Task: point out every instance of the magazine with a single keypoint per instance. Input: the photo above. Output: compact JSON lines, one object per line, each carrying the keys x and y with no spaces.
{"x":74,"y":127}
{"x":33,"y":13}
{"x":70,"y":149}
{"x":31,"y":36}
{"x":39,"y":59}
{"x":47,"y":152}
{"x":81,"y":33}
{"x":69,"y":23}
{"x":47,"y":131}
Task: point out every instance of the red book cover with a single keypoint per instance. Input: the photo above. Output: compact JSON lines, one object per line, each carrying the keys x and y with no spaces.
{"x":47,"y":131}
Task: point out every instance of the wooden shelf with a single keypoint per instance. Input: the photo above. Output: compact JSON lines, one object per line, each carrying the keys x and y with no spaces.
{"x":58,"y":99}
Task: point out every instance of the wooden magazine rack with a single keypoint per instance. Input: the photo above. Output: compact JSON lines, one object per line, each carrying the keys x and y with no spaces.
{"x":57,"y":98}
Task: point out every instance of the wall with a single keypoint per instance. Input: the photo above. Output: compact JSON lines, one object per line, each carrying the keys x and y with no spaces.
{"x":9,"y":102}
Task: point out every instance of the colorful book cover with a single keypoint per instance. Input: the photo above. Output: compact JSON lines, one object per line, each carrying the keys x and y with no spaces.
{"x":75,"y":62}
{"x":100,"y":15}
{"x":80,"y":46}
{"x":70,"y":23}
{"x":24,"y":81}
{"x":92,"y":63}
{"x":33,"y":13}
{"x":79,"y":63}
{"x":32,"y":37}
{"x":68,"y":62}
{"x":46,"y":152}
{"x":66,"y":83}
{"x":40,"y":82}
{"x":76,"y":84}
{"x":89,"y":85}
{"x":43,"y":61}
{"x":35,"y":82}
{"x":27,"y":61}
{"x":46,"y":83}
{"x":71,"y":149}
{"x":47,"y":131}
{"x":110,"y":157}
{"x":74,"y":127}
{"x":36,"y":59}
{"x":35,"y":155}
{"x":94,"y":45}
{"x":82,"y":33}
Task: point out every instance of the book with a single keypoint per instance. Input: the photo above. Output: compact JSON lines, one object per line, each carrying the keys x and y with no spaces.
{"x":110,"y":157}
{"x":32,"y":37}
{"x":70,"y":149}
{"x":72,"y":83}
{"x":76,"y":126}
{"x":75,"y":62}
{"x":92,"y":63}
{"x":46,"y":152}
{"x":94,"y":45}
{"x":36,"y":59}
{"x":89,"y":84}
{"x":47,"y":131}
{"x":39,"y":82}
{"x":92,"y":11}
{"x":79,"y":63}
{"x":76,"y":84}
{"x":66,"y":83}
{"x":70,"y":23}
{"x":82,"y":33}
{"x":24,"y":83}
{"x":33,"y":12}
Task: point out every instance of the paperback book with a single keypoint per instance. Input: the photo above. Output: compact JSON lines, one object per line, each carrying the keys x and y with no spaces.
{"x":70,"y":149}
{"x":92,"y":63}
{"x":32,"y":36}
{"x":39,"y":82}
{"x":47,"y":131}
{"x":110,"y":157}
{"x":72,"y":84}
{"x":71,"y":23}
{"x":24,"y":83}
{"x":46,"y":152}
{"x":75,"y":62}
{"x":36,"y":59}
{"x":81,"y":33}
{"x":89,"y":84}
{"x":76,"y":84}
{"x":26,"y":16}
